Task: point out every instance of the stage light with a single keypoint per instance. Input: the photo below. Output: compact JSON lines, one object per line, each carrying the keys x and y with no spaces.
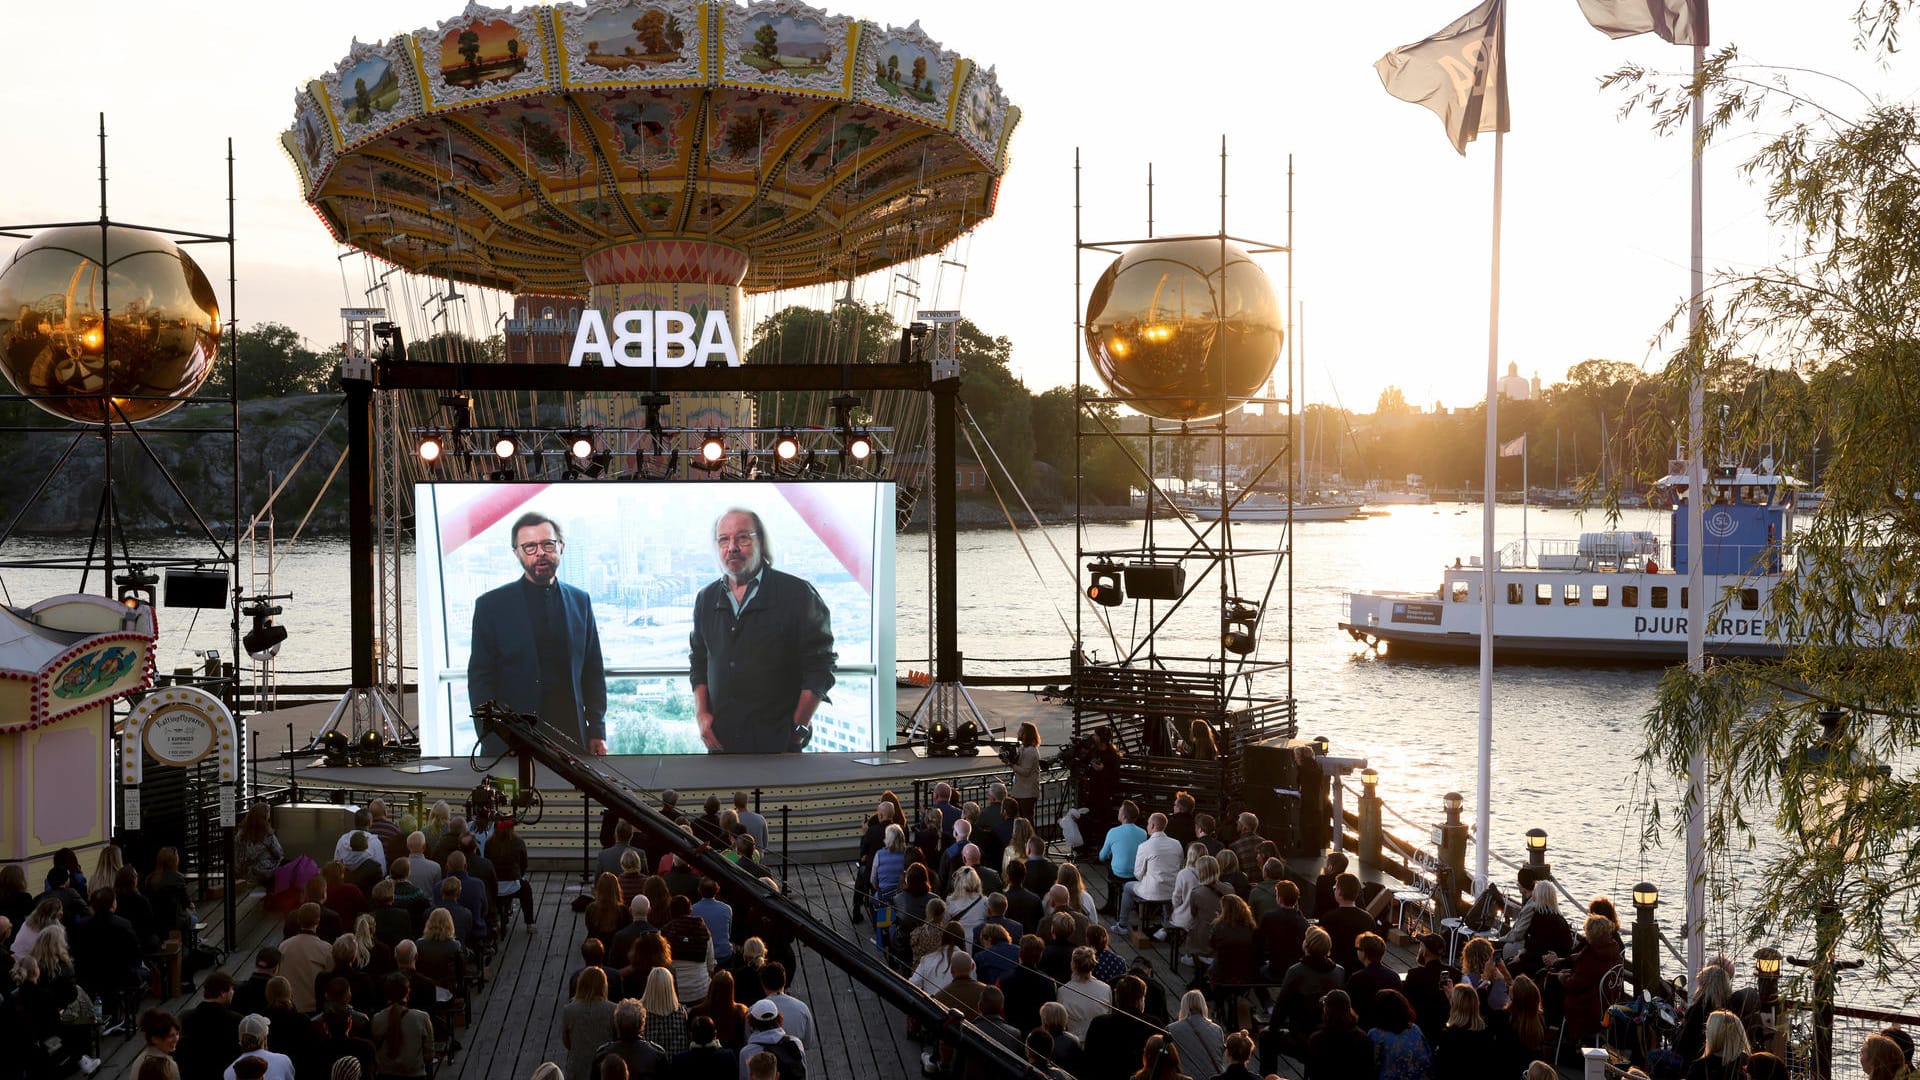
{"x":580,"y":445}
{"x":713,"y":452}
{"x":939,"y":739}
{"x":501,"y":475}
{"x":859,"y":446}
{"x":505,"y":446}
{"x":336,"y":746}
{"x":786,"y":447}
{"x":1103,"y":584}
{"x":966,"y":741}
{"x":431,"y":448}
{"x":136,"y":586}
{"x":1238,"y":622}
{"x":371,"y":741}
{"x":597,"y":465}
{"x":264,"y":640}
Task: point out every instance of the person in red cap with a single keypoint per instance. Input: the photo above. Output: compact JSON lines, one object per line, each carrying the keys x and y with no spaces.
{"x":508,"y":854}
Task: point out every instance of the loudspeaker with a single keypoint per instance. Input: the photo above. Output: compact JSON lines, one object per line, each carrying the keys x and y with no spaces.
{"x":1156,"y":581}
{"x":196,"y":588}
{"x":1268,"y":771}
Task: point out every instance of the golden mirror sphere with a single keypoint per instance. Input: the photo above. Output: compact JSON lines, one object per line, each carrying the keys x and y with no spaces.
{"x":160,"y":348}
{"x":1171,"y":330}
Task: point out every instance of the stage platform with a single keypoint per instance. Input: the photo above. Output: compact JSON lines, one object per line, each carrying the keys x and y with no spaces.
{"x":826,"y":796}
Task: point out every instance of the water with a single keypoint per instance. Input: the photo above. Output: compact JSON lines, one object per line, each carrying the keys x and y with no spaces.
{"x":1565,"y":736}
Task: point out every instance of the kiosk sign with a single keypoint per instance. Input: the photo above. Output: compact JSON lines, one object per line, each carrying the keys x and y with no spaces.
{"x":179,"y":734}
{"x":653,"y":339}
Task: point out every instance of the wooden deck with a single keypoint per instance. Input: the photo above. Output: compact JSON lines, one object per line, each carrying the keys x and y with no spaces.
{"x":515,"y":1020}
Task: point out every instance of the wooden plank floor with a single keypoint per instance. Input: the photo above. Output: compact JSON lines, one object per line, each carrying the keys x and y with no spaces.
{"x":515,"y":1023}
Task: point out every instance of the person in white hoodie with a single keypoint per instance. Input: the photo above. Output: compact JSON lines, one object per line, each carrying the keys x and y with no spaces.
{"x":1155,"y":865}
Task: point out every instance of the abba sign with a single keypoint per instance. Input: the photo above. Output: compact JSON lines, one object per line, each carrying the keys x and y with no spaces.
{"x":653,"y":339}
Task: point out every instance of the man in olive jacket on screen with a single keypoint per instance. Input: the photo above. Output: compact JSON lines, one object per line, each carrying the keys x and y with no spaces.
{"x":761,"y":652}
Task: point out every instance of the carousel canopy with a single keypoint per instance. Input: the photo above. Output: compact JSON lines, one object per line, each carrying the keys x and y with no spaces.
{"x":504,"y":148}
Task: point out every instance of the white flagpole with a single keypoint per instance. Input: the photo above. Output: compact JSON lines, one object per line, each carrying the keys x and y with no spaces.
{"x":1489,"y":568}
{"x":1526,"y":546}
{"x":1696,"y":570}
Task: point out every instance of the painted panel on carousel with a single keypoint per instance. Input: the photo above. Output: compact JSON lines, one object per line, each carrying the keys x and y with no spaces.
{"x":905,"y":71}
{"x":371,"y":91}
{"x":787,"y":46}
{"x":986,"y":119}
{"x":613,"y":43}
{"x":310,"y":145}
{"x":483,"y":55}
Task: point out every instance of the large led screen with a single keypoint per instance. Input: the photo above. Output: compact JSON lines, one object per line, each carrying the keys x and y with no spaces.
{"x":615,"y":612}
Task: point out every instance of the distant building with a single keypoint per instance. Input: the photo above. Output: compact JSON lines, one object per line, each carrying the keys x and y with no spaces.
{"x":1515,"y":388}
{"x":540,"y":328}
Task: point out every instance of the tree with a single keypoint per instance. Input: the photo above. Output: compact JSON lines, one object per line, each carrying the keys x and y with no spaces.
{"x":274,"y":361}
{"x":676,"y":38}
{"x":919,"y":70}
{"x":1392,"y":403}
{"x":470,"y":47}
{"x":513,"y":51}
{"x":1106,"y":474}
{"x":893,"y":69}
{"x":855,"y":334}
{"x":998,"y":403}
{"x":652,"y":29}
{"x":1839,"y":314}
{"x":361,"y":105}
{"x":766,"y":41}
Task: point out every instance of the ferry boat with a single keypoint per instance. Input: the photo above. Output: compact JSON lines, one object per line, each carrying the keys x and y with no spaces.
{"x":1613,"y":595}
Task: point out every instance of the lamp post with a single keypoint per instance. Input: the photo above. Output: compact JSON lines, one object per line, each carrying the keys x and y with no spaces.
{"x":1453,"y":842}
{"x":1646,"y":936}
{"x":1370,"y":816}
{"x":1537,"y":854}
{"x":1766,"y":974}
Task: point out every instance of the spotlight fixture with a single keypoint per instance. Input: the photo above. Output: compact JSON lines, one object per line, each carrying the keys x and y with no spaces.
{"x":859,"y":447}
{"x":136,"y":586}
{"x":431,"y":448}
{"x":336,"y":746}
{"x":580,"y":445}
{"x":371,"y":741}
{"x":264,"y":640}
{"x":505,"y":446}
{"x":597,"y":465}
{"x":939,"y":739}
{"x":713,"y":452}
{"x":1103,"y":584}
{"x":502,"y":475}
{"x":1238,"y":621}
{"x":787,"y":447}
{"x":966,"y":739}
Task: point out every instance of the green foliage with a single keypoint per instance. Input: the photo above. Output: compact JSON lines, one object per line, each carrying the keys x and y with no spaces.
{"x":656,"y":721}
{"x":849,"y":334}
{"x":1820,"y":346}
{"x":274,"y":361}
{"x":997,"y":401}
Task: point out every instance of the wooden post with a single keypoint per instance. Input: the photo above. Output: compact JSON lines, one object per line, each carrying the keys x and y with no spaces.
{"x":1370,"y":818}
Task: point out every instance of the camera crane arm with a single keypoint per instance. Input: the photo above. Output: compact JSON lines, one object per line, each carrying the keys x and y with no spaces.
{"x":531,"y":743}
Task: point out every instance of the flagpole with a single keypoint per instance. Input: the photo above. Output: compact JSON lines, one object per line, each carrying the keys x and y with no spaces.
{"x":1489,"y":562}
{"x":1696,"y":570}
{"x":1526,"y":546}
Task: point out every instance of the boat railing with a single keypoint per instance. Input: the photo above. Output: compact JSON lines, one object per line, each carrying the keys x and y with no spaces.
{"x":1619,"y":551}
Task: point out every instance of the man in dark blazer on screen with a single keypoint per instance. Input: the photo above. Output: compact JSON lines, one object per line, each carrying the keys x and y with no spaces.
{"x":535,"y":646}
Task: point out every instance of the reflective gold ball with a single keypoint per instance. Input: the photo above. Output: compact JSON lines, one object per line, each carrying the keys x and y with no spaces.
{"x":161,"y":346}
{"x":1178,"y":336}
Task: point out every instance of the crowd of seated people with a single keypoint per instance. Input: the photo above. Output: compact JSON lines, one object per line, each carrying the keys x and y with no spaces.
{"x":1265,"y":977}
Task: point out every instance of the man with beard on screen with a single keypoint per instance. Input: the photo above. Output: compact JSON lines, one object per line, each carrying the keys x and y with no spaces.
{"x":761,"y":652}
{"x":535,"y":646}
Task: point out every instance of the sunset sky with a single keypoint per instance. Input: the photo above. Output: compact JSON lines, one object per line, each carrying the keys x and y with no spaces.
{"x":1391,"y":225}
